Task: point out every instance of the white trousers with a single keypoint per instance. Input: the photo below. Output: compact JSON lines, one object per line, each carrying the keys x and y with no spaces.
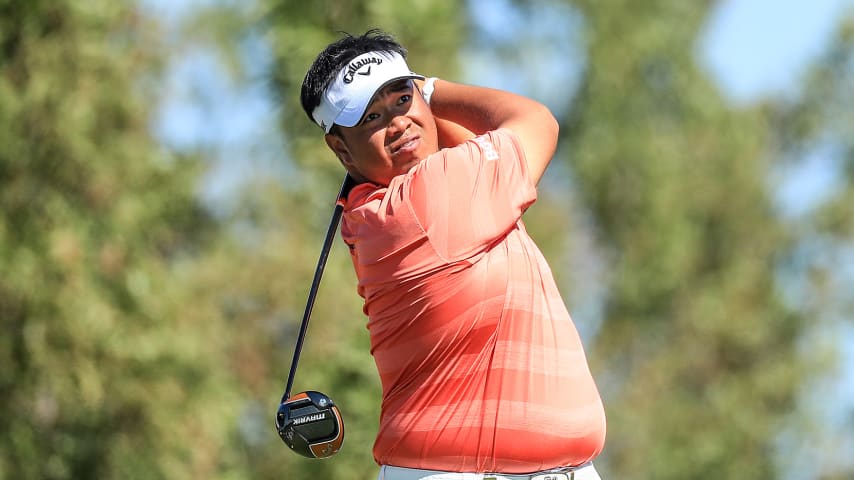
{"x":388,"y":472}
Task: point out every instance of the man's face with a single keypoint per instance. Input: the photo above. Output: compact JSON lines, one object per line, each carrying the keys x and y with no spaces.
{"x":396,"y":132}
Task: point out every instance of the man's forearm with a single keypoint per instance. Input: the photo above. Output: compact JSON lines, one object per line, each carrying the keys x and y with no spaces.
{"x":481,"y":109}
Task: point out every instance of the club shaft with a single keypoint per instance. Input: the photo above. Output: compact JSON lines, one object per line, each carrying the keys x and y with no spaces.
{"x":315,"y":283}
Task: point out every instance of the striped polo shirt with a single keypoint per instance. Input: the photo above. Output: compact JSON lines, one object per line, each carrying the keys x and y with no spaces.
{"x":482,"y":369}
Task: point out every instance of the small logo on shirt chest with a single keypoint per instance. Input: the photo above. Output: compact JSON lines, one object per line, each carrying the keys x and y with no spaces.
{"x":489,"y":153}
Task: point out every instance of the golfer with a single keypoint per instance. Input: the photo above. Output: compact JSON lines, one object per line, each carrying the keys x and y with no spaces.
{"x":483,"y":372}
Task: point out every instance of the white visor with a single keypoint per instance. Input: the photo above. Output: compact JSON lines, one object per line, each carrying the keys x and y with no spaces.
{"x":346,"y":99}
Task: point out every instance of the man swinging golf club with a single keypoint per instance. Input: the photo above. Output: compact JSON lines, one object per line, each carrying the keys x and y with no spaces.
{"x":483,"y":372}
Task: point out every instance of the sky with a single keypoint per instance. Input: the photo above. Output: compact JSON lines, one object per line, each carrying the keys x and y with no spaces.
{"x":756,"y":47}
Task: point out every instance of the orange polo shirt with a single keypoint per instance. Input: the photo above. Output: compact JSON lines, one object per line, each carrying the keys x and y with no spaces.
{"x":482,"y":369}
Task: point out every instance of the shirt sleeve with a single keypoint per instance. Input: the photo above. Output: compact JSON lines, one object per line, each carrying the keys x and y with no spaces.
{"x":468,"y":197}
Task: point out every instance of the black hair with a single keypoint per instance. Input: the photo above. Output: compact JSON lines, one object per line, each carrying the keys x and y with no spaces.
{"x":335,"y":56}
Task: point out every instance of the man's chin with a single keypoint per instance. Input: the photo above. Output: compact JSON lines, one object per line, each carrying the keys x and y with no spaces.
{"x":407,"y":166}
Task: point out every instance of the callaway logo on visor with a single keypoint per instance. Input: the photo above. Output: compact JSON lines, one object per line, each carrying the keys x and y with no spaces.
{"x":354,"y":67}
{"x":350,"y":93}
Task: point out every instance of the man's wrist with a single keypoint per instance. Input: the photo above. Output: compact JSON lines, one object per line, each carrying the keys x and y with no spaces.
{"x":427,"y":89}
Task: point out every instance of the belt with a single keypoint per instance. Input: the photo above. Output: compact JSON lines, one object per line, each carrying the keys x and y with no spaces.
{"x":582,"y":472}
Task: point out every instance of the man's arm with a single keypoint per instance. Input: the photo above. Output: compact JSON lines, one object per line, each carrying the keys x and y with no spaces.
{"x":451,"y":134}
{"x":481,"y":109}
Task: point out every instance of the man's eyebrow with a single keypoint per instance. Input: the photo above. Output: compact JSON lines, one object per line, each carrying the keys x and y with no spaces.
{"x":402,"y":84}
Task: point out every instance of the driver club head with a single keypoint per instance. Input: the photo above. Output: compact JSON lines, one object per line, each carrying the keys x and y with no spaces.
{"x":310,"y":424}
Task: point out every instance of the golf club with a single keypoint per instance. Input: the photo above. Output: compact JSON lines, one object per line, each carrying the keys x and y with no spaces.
{"x":309,"y":422}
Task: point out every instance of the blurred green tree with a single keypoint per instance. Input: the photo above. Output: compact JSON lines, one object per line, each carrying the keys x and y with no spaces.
{"x":818,"y":122}
{"x":698,"y":351}
{"x":111,"y":352}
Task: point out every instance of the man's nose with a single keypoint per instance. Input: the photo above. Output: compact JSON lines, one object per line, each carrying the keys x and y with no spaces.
{"x":398,"y":124}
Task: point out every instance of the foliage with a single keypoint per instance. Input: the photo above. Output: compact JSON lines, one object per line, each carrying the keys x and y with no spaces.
{"x":109,"y":351}
{"x":818,"y":122}
{"x":698,"y":350}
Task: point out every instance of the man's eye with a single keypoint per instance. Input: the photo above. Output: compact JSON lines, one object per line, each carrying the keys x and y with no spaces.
{"x":371,"y":116}
{"x":404,"y":99}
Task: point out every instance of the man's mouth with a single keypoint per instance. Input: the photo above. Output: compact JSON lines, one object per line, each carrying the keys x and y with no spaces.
{"x":405,"y":145}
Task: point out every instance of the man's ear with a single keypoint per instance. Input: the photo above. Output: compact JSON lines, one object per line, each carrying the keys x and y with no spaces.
{"x":337,"y":145}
